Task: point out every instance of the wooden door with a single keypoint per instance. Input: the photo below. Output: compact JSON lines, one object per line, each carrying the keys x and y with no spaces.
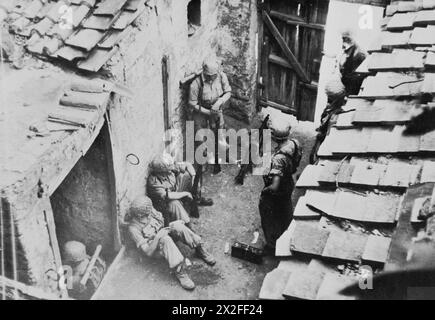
{"x":290,"y":43}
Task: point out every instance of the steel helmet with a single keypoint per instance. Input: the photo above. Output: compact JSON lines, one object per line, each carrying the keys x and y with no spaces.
{"x":74,"y":251}
{"x":141,"y":206}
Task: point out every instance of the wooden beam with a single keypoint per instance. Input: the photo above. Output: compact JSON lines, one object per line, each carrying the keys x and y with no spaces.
{"x":292,"y":59}
{"x":295,"y":20}
{"x":24,"y":291}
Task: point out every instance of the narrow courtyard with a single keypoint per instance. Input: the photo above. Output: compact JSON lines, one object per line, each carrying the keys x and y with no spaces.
{"x":234,"y":217}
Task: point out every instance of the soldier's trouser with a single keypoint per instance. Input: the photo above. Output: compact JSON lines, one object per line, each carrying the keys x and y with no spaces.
{"x":276,"y":214}
{"x":169,"y":250}
{"x":175,"y":208}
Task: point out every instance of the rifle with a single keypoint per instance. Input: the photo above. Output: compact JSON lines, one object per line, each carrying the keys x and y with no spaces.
{"x":245,"y":168}
{"x":196,"y":192}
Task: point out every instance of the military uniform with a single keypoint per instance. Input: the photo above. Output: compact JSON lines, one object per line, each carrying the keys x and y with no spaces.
{"x":146,"y":229}
{"x":143,"y":231}
{"x":206,"y":94}
{"x":158,"y":186}
{"x":275,"y":207}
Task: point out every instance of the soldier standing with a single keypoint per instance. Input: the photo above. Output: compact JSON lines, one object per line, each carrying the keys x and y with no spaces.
{"x":275,"y":205}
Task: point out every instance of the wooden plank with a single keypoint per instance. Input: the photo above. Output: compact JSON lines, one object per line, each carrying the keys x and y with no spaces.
{"x":329,"y":172}
{"x":274,"y":284}
{"x":24,"y":291}
{"x":49,"y":219}
{"x":292,"y":59}
{"x":344,"y":245}
{"x":308,"y":238}
{"x":376,"y":249}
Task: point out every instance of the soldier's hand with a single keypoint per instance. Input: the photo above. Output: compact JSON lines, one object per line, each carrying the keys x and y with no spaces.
{"x":188,"y":195}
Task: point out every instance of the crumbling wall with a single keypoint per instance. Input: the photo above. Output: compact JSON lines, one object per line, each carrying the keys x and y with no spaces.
{"x":137,"y":123}
{"x":237,"y":45}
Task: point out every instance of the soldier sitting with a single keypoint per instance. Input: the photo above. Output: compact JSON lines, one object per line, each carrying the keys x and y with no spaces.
{"x":146,"y":228}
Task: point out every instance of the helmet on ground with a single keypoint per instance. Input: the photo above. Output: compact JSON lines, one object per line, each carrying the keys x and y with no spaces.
{"x":74,"y":251}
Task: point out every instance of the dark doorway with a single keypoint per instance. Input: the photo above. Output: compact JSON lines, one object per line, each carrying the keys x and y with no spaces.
{"x":84,"y":204}
{"x":291,"y":42}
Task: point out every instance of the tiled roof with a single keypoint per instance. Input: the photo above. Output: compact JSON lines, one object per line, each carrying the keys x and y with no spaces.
{"x":358,"y":207}
{"x":83,"y":32}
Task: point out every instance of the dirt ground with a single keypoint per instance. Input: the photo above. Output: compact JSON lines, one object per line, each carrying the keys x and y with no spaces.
{"x":234,"y":216}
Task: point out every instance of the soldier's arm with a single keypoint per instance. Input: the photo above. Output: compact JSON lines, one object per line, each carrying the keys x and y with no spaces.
{"x":194,"y":98}
{"x":139,"y":240}
{"x":227,"y":92}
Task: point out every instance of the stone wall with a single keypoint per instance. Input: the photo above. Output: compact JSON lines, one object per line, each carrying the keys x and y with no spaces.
{"x":137,"y":125}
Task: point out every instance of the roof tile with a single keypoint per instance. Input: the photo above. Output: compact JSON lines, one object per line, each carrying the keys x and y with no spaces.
{"x":32,"y":10}
{"x":85,"y":39}
{"x":376,"y":249}
{"x":70,"y":53}
{"x":428,"y":4}
{"x":425,"y":17}
{"x":427,"y":142}
{"x":399,"y":59}
{"x":346,"y":246}
{"x":402,"y":21}
{"x":79,"y":13}
{"x":101,"y":23}
{"x":133,"y":5}
{"x":97,"y":59}
{"x":109,"y":7}
{"x":42,"y":26}
{"x":125,"y":19}
{"x":423,"y":36}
